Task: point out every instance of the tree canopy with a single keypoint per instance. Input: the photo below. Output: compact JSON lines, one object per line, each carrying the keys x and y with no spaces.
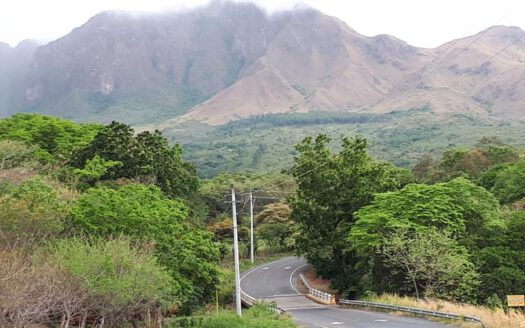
{"x":330,"y":188}
{"x":56,"y":138}
{"x":146,"y":157}
{"x":145,"y":214}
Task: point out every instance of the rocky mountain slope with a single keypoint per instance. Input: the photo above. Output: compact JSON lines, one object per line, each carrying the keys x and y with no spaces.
{"x":228,"y":61}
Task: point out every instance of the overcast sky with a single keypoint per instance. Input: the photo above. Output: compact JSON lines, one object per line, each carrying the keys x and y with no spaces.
{"x":423,"y":23}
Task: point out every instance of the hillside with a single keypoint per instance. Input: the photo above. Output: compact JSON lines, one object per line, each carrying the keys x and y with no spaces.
{"x":227,"y":61}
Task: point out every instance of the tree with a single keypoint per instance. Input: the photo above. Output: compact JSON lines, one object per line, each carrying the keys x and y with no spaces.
{"x":471,"y":163}
{"x":146,"y":215}
{"x":275,"y":227}
{"x":509,"y":184}
{"x":36,"y":292}
{"x":275,"y":234}
{"x":501,"y":263}
{"x":457,"y":207}
{"x":432,"y":262}
{"x":331,"y":187}
{"x":146,"y":157}
{"x":94,"y":169}
{"x":56,"y":138}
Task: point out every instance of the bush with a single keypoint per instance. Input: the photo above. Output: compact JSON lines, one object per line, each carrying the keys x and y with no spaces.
{"x":30,"y":213}
{"x":35,"y":293}
{"x":15,"y":153}
{"x":256,"y":317}
{"x":55,"y":138}
{"x":145,"y":214}
{"x":121,"y":281}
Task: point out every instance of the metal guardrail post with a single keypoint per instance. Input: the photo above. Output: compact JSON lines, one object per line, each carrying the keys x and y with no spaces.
{"x":413,"y":310}
{"x":250,"y":301}
{"x":325,"y":297}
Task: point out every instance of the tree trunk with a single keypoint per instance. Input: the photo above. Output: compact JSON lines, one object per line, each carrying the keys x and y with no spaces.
{"x":83,"y":323}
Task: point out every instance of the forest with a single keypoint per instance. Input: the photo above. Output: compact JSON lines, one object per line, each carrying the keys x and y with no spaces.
{"x":100,"y":225}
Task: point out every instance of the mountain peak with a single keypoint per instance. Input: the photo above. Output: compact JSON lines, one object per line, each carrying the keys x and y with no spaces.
{"x":230,"y":60}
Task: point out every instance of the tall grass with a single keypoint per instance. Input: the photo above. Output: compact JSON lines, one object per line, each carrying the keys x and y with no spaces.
{"x":493,"y":318}
{"x":256,"y":317}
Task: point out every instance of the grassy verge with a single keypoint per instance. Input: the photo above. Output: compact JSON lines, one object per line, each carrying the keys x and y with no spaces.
{"x":255,"y":317}
{"x":493,"y":318}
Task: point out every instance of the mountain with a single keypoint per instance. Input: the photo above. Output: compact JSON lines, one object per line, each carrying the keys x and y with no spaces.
{"x":484,"y":73}
{"x":228,"y":61}
{"x":14,"y":63}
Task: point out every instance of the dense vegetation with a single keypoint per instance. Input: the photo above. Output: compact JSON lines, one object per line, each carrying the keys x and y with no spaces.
{"x":254,"y":144}
{"x":367,"y":226}
{"x":102,"y":224}
{"x":95,"y":221}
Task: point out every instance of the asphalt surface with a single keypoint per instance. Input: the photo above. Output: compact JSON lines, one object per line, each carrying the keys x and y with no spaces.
{"x":275,"y":281}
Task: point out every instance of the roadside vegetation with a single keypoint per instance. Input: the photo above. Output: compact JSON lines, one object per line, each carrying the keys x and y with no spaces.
{"x":102,"y":225}
{"x":371,"y":228}
{"x":258,"y":316}
{"x":491,"y":316}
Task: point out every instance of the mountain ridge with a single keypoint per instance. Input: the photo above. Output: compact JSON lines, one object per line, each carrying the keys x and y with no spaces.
{"x":229,"y":61}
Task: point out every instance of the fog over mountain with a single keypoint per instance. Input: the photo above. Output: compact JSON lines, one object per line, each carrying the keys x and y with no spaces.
{"x":228,"y":61}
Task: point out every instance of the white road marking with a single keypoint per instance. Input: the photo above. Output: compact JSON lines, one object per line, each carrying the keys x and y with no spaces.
{"x":381,"y":320}
{"x":291,"y":275}
{"x":337,"y":323}
{"x":265,"y":268}
{"x":287,"y":268}
{"x":262,"y":265}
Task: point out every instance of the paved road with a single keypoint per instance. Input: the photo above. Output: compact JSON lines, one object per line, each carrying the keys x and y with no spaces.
{"x":275,"y":282}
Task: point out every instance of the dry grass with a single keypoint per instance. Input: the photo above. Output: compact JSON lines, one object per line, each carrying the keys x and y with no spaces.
{"x":496,"y":318}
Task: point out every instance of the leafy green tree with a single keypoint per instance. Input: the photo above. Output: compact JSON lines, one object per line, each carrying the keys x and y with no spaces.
{"x":458,"y":207}
{"x":275,"y":227}
{"x":330,"y":188}
{"x":56,"y":138}
{"x":145,"y":214}
{"x":432,"y":262}
{"x":471,"y":163}
{"x":501,"y":263}
{"x":488,"y":178}
{"x":94,"y":169}
{"x":509,"y":184}
{"x":146,"y":157}
{"x":275,"y":234}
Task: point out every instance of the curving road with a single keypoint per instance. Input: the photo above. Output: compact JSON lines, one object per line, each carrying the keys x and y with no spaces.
{"x":275,"y":281}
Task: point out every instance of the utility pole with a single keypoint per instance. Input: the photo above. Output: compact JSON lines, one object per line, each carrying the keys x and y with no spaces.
{"x":236,"y":256}
{"x":251,"y":227}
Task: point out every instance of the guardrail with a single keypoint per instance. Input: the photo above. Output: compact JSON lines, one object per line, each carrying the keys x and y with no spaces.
{"x":413,"y":310}
{"x":250,"y":301}
{"x":316,"y":293}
